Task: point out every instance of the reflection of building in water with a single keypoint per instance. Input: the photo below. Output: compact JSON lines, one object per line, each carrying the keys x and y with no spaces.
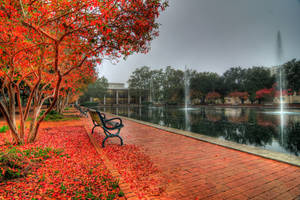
{"x":117,"y":93}
{"x":232,"y":112}
{"x":212,"y":115}
{"x":235,"y":101}
{"x":235,"y":115}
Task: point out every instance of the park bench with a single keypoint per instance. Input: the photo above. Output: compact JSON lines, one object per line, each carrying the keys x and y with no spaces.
{"x":82,"y":112}
{"x":108,"y":125}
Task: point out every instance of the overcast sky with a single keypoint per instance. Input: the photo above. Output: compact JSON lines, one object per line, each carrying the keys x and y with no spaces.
{"x":214,"y":35}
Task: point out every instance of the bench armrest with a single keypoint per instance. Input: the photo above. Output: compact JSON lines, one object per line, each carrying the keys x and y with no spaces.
{"x":103,"y":115}
{"x":115,"y":118}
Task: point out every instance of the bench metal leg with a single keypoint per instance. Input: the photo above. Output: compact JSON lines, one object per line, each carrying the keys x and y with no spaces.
{"x":121,"y":140}
{"x":93,"y":129}
{"x":104,"y":141}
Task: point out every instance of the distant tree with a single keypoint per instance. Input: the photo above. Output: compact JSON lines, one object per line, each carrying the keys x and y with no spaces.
{"x":173,"y":86}
{"x":202,"y":83}
{"x":140,"y":81}
{"x":234,"y":79}
{"x":257,"y":78}
{"x":95,"y":90}
{"x":156,"y":85}
{"x":292,"y":73}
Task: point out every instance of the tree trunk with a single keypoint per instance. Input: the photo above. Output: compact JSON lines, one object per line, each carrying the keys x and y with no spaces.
{"x":12,"y":126}
{"x":34,"y":130}
{"x":22,"y":124}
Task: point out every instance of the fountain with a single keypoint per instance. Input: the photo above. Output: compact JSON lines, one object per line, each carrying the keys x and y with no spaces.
{"x":279,"y":57}
{"x":186,"y":89}
{"x":281,"y":80}
{"x":186,"y":99}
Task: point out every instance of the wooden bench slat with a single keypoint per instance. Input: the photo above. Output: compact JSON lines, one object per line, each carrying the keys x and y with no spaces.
{"x":108,"y":125}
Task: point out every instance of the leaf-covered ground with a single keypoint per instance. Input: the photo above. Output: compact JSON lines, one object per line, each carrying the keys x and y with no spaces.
{"x":77,"y":173}
{"x":136,"y":168}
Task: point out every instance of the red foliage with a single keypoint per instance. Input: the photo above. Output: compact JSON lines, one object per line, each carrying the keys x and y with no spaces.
{"x":43,"y":43}
{"x":265,"y":93}
{"x":82,"y":174}
{"x":135,"y":167}
{"x":288,"y":92}
{"x":241,"y":95}
{"x":213,"y":96}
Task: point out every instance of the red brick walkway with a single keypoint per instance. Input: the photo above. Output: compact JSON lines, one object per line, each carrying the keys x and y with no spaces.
{"x":205,"y":171}
{"x":200,"y":170}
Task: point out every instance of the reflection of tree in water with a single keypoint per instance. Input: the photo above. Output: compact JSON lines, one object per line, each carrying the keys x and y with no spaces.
{"x":292,"y":137}
{"x":267,"y":120}
{"x":251,"y":134}
{"x":242,"y":133}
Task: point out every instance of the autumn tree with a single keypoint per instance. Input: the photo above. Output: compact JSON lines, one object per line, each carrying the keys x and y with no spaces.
{"x":265,"y":95}
{"x":77,"y":81}
{"x":42,"y":42}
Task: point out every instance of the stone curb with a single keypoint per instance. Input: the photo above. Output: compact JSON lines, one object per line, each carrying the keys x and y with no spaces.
{"x":125,"y":187}
{"x":281,"y":157}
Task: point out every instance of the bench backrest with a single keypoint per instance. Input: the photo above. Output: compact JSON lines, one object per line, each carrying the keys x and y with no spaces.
{"x":95,"y":117}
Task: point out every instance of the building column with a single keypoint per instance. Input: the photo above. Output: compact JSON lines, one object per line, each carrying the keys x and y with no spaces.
{"x":128,"y":97}
{"x":117,"y":97}
{"x":140,"y":100}
{"x":91,"y":99}
{"x":104,"y":99}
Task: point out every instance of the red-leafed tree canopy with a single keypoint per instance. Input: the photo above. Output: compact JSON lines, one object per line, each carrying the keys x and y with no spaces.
{"x":43,"y":42}
{"x":212,"y":96}
{"x":265,"y":94}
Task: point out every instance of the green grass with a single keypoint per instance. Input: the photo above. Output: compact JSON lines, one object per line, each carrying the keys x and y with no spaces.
{"x":67,"y":108}
{"x":13,"y":162}
{"x":3,"y":129}
{"x":55,"y":116}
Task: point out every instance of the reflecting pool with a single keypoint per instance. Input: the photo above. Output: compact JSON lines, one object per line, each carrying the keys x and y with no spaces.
{"x":252,"y":126}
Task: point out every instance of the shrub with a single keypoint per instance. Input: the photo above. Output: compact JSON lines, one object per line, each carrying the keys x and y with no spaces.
{"x":89,"y":104}
{"x":52,"y":116}
{"x":147,"y":103}
{"x":15,"y":163}
{"x":4,"y":128}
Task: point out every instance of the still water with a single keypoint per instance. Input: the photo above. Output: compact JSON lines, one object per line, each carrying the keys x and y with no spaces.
{"x":262,"y":128}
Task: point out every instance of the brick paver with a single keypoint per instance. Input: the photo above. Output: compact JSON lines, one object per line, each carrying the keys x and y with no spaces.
{"x":200,"y":170}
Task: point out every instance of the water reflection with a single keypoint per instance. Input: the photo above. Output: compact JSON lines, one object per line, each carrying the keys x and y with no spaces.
{"x":248,"y":126}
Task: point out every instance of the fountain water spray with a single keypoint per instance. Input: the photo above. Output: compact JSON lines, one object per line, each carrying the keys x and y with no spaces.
{"x":186,"y":99}
{"x":186,"y":88}
{"x":279,"y":57}
{"x":281,"y":103}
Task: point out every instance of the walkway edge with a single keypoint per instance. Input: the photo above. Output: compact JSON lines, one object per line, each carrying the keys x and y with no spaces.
{"x":289,"y":159}
{"x":125,"y":187}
